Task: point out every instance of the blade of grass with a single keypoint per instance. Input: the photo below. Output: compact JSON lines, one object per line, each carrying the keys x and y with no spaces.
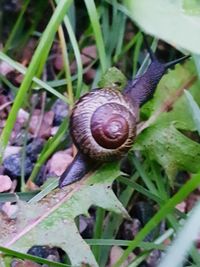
{"x":44,"y":192}
{"x":23,"y":70}
{"x":98,"y":231}
{"x":144,"y":176}
{"x":77,"y":53}
{"x":127,"y":47}
{"x":12,"y":197}
{"x":123,"y":243}
{"x":161,"y":199}
{"x":187,"y":188}
{"x":119,"y":45}
{"x":159,"y":180}
{"x":49,"y":32}
{"x":92,"y":11}
{"x":186,"y":237}
{"x":15,"y":28}
{"x":140,"y":189}
{"x":137,"y":53}
{"x":7,"y":251}
{"x":66,"y":65}
{"x":12,"y":88}
{"x":115,"y":220}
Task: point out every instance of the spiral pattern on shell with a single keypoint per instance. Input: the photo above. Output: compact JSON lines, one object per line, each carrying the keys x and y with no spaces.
{"x":103,"y":124}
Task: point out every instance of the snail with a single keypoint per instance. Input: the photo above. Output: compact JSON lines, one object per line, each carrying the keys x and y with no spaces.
{"x":103,"y":121}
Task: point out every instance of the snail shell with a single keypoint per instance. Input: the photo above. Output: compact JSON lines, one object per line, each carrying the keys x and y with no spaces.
{"x":103,"y":124}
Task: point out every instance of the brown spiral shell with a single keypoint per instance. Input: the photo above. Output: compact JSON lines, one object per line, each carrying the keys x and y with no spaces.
{"x":103,"y":124}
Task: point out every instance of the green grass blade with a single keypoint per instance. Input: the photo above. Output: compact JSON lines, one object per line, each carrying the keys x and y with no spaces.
{"x":124,"y":243}
{"x":137,"y":53}
{"x":39,"y":82}
{"x":92,"y":11}
{"x":140,"y":189}
{"x":20,"y":255}
{"x":12,"y":197}
{"x":50,"y":187}
{"x":15,"y":28}
{"x":186,"y":237}
{"x":66,"y":65}
{"x":144,"y":176}
{"x":98,"y":231}
{"x":115,"y":220}
{"x":77,"y":55}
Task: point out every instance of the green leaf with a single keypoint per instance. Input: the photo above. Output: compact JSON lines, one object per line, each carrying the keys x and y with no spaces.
{"x":41,"y":222}
{"x":112,"y":78}
{"x":170,"y":148}
{"x":171,"y":90}
{"x":191,"y":7}
{"x":167,"y":20}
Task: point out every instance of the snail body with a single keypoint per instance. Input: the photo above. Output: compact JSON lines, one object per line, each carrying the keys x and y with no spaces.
{"x":103,"y":121}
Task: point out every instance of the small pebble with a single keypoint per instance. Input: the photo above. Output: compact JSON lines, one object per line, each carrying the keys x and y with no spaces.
{"x":34,"y":148}
{"x":12,"y":165}
{"x":45,"y":252}
{"x":59,"y":162}
{"x":5,"y":183}
{"x":60,"y":110}
{"x":10,"y":210}
{"x":44,"y":130}
{"x":26,"y":263}
{"x":11,"y":150}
